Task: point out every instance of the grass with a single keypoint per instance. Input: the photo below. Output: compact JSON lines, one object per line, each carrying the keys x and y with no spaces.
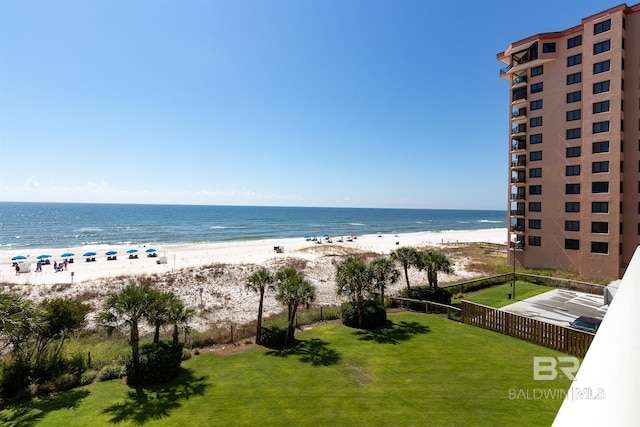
{"x":498,"y":296}
{"x":423,"y":370}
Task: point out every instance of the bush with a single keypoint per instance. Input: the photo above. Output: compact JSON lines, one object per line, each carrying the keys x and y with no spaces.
{"x":66,"y":382}
{"x":273,"y":334}
{"x":15,"y":377}
{"x":374,"y":315}
{"x":88,"y":377}
{"x":110,"y":372}
{"x":427,"y":293}
{"x":158,"y":363}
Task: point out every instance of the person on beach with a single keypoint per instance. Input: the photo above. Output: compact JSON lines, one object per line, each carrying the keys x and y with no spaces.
{"x":55,"y":266}
{"x":17,"y":269}
{"x":39,"y":266}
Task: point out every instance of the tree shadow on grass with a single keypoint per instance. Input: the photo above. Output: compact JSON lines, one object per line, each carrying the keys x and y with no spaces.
{"x":314,"y":351}
{"x":146,"y":404}
{"x":393,"y":333}
{"x":29,"y":413}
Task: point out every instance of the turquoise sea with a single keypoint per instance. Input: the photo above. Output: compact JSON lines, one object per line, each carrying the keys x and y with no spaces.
{"x":63,"y":225}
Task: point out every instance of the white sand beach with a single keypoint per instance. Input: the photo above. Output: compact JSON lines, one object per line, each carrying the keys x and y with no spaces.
{"x":221,"y":296}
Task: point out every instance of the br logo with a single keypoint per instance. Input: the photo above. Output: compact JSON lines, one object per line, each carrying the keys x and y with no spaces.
{"x":545,"y":368}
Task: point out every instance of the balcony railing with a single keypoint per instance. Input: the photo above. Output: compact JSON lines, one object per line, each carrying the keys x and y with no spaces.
{"x":519,"y":162}
{"x":517,"y":228}
{"x":517,"y":212}
{"x":505,"y":70}
{"x":517,"y":245}
{"x":518,"y":196}
{"x":520,"y":79}
{"x":519,"y":113}
{"x":518,"y":129}
{"x":518,"y":145}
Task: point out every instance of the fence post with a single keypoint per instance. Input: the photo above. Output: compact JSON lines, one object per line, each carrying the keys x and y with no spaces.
{"x":232,"y":333}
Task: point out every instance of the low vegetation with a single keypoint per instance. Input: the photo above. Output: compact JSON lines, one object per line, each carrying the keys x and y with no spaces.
{"x":420,"y":370}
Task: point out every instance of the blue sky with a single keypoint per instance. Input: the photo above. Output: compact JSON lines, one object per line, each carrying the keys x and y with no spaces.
{"x":346,"y":103}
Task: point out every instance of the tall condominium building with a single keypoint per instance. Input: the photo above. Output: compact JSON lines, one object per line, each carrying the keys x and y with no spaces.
{"x":574,"y":145}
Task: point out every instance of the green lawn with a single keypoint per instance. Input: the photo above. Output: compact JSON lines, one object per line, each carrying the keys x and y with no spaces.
{"x":498,"y":296}
{"x":425,"y":370}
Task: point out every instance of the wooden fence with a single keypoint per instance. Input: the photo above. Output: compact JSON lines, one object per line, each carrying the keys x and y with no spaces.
{"x":453,"y":313}
{"x":567,"y":340}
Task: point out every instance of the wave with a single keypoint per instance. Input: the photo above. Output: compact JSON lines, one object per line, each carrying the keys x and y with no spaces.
{"x":490,"y":221}
{"x":356,"y":224}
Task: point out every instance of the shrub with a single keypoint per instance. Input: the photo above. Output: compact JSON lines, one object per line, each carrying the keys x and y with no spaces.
{"x":159,"y":362}
{"x":88,"y":377}
{"x":66,"y":382}
{"x":110,"y":372}
{"x":15,"y":377}
{"x":374,"y":315}
{"x":427,"y":293}
{"x":273,"y":333}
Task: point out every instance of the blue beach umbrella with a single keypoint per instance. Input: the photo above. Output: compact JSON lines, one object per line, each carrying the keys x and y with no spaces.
{"x":132,"y":251}
{"x":89,"y":254}
{"x":66,"y":255}
{"x":18,"y":257}
{"x":44,"y":256}
{"x":150,"y":250}
{"x":111,"y":253}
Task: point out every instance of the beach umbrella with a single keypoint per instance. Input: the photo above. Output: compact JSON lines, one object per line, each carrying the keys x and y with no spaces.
{"x":150,"y":250}
{"x":18,"y":257}
{"x":89,"y":254}
{"x":132,"y":251}
{"x":66,"y":255}
{"x":109,"y":253}
{"x":43,"y":256}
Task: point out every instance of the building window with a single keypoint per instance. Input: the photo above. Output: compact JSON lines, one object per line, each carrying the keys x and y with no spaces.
{"x":572,"y":206}
{"x":535,"y":224}
{"x":535,"y":206}
{"x":601,"y":67}
{"x":535,"y":173}
{"x":573,"y":170}
{"x":601,"y":87}
{"x":574,"y":151}
{"x":574,"y":78}
{"x":548,"y":47}
{"x":572,"y":225}
{"x":535,"y":190}
{"x":601,"y":147}
{"x":600,"y":187}
{"x":599,"y":127}
{"x":604,"y":46}
{"x":572,"y":244}
{"x":574,"y":97}
{"x":601,"y":107}
{"x":599,"y":247}
{"x":535,"y":241}
{"x":600,"y":167}
{"x":599,"y":207}
{"x":599,"y":227}
{"x":572,"y":188}
{"x":574,"y":133}
{"x":601,"y":27}
{"x":535,"y":122}
{"x":574,"y":60}
{"x":537,"y":71}
{"x":536,"y":87}
{"x":573,"y":115}
{"x":535,"y":138}
{"x":535,"y":156}
{"x":536,"y":105}
{"x":574,"y":41}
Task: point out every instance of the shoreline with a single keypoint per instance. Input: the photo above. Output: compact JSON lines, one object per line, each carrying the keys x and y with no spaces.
{"x":189,"y":255}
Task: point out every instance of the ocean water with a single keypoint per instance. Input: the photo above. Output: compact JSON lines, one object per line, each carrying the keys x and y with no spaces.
{"x":64,"y":225}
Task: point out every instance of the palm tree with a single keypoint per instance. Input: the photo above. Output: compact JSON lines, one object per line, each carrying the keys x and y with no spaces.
{"x":260,"y":282}
{"x":129,"y":307}
{"x":178,"y":315}
{"x":435,"y":261}
{"x":293,"y":290}
{"x":384,"y":273}
{"x":353,"y":279}
{"x":407,"y":257}
{"x":158,"y":313}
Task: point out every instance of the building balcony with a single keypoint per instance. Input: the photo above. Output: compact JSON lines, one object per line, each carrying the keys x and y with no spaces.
{"x":521,"y":128}
{"x":518,"y":245}
{"x":517,"y":212}
{"x":517,"y":145}
{"x":520,"y":112}
{"x":521,"y":162}
{"x":517,"y":196}
{"x":517,"y":229}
